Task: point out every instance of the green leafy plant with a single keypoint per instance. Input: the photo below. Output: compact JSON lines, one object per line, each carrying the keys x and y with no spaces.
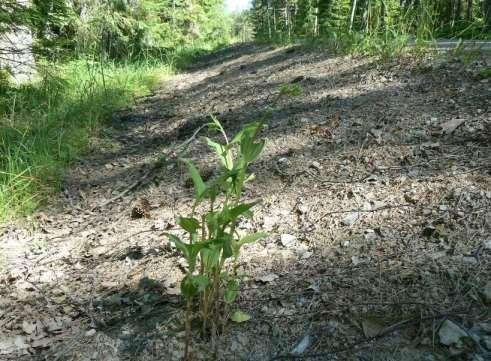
{"x":213,"y":244}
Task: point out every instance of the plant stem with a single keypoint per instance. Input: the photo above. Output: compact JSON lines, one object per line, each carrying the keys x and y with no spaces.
{"x":187,"y":356}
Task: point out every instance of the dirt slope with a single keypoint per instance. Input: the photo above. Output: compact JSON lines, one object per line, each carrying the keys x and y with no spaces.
{"x":380,"y":172}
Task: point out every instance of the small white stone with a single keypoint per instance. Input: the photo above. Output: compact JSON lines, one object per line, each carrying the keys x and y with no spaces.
{"x":350,"y":219}
{"x":451,"y":334}
{"x":288,"y":240}
{"x":469,"y":260}
{"x":90,"y":333}
{"x":316,"y":165}
{"x":356,"y":261}
{"x":307,"y":255}
{"x":266,"y":278}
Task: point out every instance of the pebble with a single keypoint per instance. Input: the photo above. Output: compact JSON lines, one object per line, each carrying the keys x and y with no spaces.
{"x":486,"y":341}
{"x":288,"y":240}
{"x":486,"y":293}
{"x":316,"y":165}
{"x":350,"y":219}
{"x":451,"y":334}
{"x":90,"y":333}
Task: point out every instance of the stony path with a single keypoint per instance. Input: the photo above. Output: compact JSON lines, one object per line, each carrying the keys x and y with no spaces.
{"x":376,"y":191}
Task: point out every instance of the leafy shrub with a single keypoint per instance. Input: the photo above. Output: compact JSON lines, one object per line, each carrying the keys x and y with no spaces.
{"x":214,"y":242}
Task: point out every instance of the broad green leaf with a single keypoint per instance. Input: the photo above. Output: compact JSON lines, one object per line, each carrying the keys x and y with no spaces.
{"x":250,"y":178}
{"x":199,"y":185}
{"x":250,"y":150}
{"x":190,"y":251}
{"x":190,"y":225}
{"x":188,"y":288}
{"x":180,"y":245}
{"x":192,"y":284}
{"x":250,"y":130}
{"x":201,"y":282}
{"x":240,"y":317}
{"x":211,"y":256}
{"x":227,"y":240}
{"x":223,"y":152}
{"x":231,"y":291}
{"x":212,"y":223}
{"x":250,"y":238}
{"x":241,"y":209}
{"x":253,"y":237}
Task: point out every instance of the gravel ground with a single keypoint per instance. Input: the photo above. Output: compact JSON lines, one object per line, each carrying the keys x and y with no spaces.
{"x":376,"y":191}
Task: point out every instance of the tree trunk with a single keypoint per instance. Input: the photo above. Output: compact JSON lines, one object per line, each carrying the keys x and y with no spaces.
{"x":352,"y":17}
{"x":456,"y":8}
{"x":16,"y":53}
{"x":468,"y":14}
{"x":487,"y":13}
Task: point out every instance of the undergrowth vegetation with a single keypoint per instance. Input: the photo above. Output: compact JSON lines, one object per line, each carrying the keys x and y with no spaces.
{"x":213,"y":238}
{"x":213,"y":242}
{"x":91,"y":58}
{"x":373,"y":27}
{"x":46,"y":124}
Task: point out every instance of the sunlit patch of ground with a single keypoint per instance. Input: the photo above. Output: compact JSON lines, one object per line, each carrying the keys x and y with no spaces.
{"x":387,"y":216}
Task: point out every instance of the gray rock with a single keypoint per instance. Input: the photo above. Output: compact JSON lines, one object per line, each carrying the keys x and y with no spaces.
{"x":451,"y":334}
{"x":355,"y":260}
{"x":302,"y":345}
{"x":12,"y":344}
{"x":477,"y":358}
{"x":428,"y":356}
{"x":316,"y":165}
{"x":303,"y":252}
{"x":437,"y":255}
{"x":485,"y":326}
{"x":90,"y":332}
{"x":350,"y":219}
{"x":306,"y":255}
{"x":486,"y":293}
{"x":366,"y":206}
{"x":266,"y":278}
{"x":369,"y":235}
{"x":486,"y":341}
{"x":469,"y":260}
{"x":239,"y":343}
{"x":487,"y":244}
{"x":288,"y":240}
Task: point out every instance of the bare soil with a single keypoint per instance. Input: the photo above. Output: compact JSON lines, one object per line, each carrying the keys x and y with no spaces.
{"x":379,"y":173}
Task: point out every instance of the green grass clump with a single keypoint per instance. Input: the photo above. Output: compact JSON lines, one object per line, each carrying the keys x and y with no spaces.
{"x":486,"y":73}
{"x":47,"y":124}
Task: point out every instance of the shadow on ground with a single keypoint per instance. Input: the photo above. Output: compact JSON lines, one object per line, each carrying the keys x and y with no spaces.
{"x":389,"y":214}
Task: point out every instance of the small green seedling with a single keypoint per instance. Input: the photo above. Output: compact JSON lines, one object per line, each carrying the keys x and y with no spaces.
{"x":213,"y":244}
{"x":485,"y":73}
{"x":212,"y":238}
